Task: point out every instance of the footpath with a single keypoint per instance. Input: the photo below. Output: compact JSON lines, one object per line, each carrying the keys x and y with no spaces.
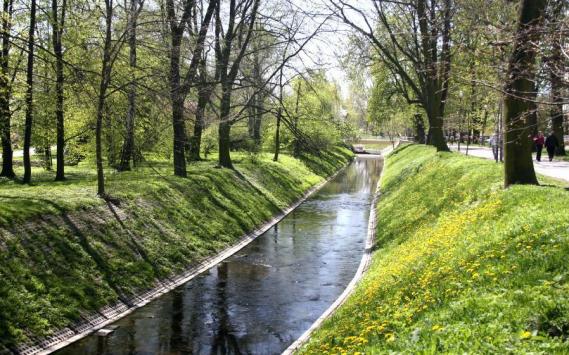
{"x":555,"y":169}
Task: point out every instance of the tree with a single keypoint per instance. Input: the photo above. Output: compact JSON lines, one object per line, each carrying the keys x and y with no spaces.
{"x":109,"y":54}
{"x":127,"y":151}
{"x":236,"y":38}
{"x":205,"y":87}
{"x":29,"y":95}
{"x":262,"y":48}
{"x":388,"y":110}
{"x":278,"y":134}
{"x":180,"y":86}
{"x":557,"y":70}
{"x":521,"y":73}
{"x":5,"y":92}
{"x":279,"y":115}
{"x":413,"y":40}
{"x":58,"y":25}
{"x":313,"y":120}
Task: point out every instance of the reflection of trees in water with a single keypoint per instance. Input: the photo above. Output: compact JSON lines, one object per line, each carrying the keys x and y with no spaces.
{"x":186,"y":331}
{"x":361,"y":176}
{"x":131,"y":340}
{"x":224,"y":342}
{"x":102,"y":345}
{"x":178,"y":340}
{"x":367,"y":173}
{"x":276,"y":232}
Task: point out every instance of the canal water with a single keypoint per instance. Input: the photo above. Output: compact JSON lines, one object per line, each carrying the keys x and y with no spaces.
{"x":260,"y":300}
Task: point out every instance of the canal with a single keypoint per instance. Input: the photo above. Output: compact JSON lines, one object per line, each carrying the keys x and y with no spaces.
{"x":265,"y":296}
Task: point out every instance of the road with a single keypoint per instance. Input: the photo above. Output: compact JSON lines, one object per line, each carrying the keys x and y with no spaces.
{"x":20,"y":153}
{"x":555,"y":169}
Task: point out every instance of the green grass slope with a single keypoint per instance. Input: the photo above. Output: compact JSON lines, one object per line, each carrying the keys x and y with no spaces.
{"x":65,"y":252}
{"x":461,"y":265}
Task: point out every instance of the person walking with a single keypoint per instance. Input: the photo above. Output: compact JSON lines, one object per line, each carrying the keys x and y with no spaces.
{"x":551,"y":144}
{"x":539,"y":141}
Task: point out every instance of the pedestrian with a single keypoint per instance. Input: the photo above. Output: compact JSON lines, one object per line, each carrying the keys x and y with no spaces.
{"x":551,"y":144}
{"x":539,"y":141}
{"x":494,"y":143}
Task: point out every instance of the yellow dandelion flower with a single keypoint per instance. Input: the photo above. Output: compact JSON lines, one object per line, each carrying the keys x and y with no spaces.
{"x":437,"y":328}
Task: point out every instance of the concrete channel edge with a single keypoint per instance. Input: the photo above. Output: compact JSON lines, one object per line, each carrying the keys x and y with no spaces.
{"x":111,"y":314}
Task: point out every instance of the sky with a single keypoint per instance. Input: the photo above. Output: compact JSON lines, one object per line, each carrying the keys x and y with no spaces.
{"x":326,"y":50}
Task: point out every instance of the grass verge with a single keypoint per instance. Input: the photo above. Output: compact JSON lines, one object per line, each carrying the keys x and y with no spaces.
{"x":65,"y":252}
{"x":461,"y":265}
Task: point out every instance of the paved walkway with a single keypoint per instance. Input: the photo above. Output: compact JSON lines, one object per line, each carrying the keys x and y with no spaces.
{"x":20,"y":153}
{"x":556,"y":169}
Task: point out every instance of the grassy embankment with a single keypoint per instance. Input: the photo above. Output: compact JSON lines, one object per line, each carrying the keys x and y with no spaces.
{"x":461,"y":265}
{"x":63,"y":251}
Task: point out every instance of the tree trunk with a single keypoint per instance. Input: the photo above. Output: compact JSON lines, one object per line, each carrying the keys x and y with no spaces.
{"x":435,"y":135}
{"x":227,"y":73}
{"x":225,"y":129}
{"x":204,"y":95}
{"x":7,"y":153}
{"x":484,"y":124}
{"x":5,"y":90}
{"x":109,"y":137}
{"x":518,"y":163}
{"x":258,"y":101}
{"x":437,"y":73}
{"x":277,"y":135}
{"x":128,"y":143}
{"x":177,"y":99}
{"x":556,"y":72}
{"x":47,"y":158}
{"x":29,"y":96}
{"x":258,"y":120}
{"x":255,"y":118}
{"x":179,"y":126}
{"x":58,"y":25}
{"x":104,"y":84}
{"x":532,"y":112}
{"x":252,"y":113}
{"x":179,"y":90}
{"x":419,"y":129}
{"x":557,"y":117}
{"x":296,"y":145}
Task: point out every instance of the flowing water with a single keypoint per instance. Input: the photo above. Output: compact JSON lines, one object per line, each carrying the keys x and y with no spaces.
{"x":264,"y":297}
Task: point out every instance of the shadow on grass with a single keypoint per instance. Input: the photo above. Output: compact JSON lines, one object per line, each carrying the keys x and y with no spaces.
{"x":63,"y":263}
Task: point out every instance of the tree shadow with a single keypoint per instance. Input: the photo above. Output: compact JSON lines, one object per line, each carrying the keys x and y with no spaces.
{"x":82,"y":239}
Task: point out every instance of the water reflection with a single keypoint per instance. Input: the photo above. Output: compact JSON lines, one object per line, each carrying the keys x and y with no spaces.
{"x":264,"y":297}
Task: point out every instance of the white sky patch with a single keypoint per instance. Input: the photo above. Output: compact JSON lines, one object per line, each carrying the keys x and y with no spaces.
{"x":326,"y":50}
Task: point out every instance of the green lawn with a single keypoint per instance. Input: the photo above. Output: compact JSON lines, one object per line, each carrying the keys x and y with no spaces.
{"x":377,"y":145}
{"x":460,"y":264}
{"x":373,"y":144}
{"x":64,"y":251}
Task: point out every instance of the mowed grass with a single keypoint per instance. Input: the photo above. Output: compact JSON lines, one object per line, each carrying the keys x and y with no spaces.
{"x":64,"y":252}
{"x":461,"y":265}
{"x":373,"y":144}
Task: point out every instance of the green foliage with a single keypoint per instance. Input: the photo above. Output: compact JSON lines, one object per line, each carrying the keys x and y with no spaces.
{"x":64,"y":251}
{"x":314,"y":106}
{"x":387,"y":110}
{"x":460,"y":264}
